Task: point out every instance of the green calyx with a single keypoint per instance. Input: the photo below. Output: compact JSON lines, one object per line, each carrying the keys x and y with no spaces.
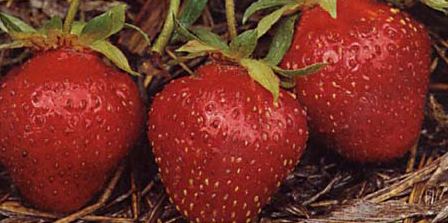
{"x":285,"y":7}
{"x":440,"y":5}
{"x":201,"y":41}
{"x":80,"y":36}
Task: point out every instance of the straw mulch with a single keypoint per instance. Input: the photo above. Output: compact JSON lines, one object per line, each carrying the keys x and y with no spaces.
{"x":323,"y":187}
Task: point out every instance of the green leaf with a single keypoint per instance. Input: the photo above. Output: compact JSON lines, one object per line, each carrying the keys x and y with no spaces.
{"x":210,"y":38}
{"x":15,"y":44}
{"x":118,"y":17}
{"x":282,"y":41}
{"x":191,"y":12}
{"x":114,"y":54}
{"x":288,"y":84}
{"x":314,"y":68}
{"x":441,"y":5}
{"x":268,"y":21}
{"x":195,"y":46}
{"x":329,"y":6}
{"x":264,"y":4}
{"x":145,"y":36}
{"x":185,"y":58}
{"x":77,"y":27}
{"x":104,"y":25}
{"x":10,"y":23}
{"x":55,"y":23}
{"x":263,"y":74}
{"x":244,"y":44}
{"x":183,"y":31}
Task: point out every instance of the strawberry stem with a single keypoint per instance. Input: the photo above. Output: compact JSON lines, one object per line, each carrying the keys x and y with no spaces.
{"x":168,"y":27}
{"x":231,"y":21}
{"x":70,"y":16}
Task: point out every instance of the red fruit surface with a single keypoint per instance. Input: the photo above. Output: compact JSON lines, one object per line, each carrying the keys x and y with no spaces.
{"x":67,"y":119}
{"x":367,"y":104}
{"x":222,"y":146}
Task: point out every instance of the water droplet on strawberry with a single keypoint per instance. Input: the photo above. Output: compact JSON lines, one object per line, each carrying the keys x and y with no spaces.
{"x":392,"y":48}
{"x":26,"y":108}
{"x":88,"y":123}
{"x":210,"y":107}
{"x":206,"y":137}
{"x":62,"y":56}
{"x":289,"y":122}
{"x":353,"y":64}
{"x":83,"y":104}
{"x":235,"y":113}
{"x":215,"y":123}
{"x":25,"y":84}
{"x":98,"y":119}
{"x":331,"y":57}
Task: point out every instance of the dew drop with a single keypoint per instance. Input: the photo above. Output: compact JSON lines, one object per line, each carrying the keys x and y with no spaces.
{"x":215,"y":123}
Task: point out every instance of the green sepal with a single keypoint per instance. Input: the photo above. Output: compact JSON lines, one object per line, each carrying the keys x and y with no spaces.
{"x":11,"y":24}
{"x":104,"y":25}
{"x":203,"y":35}
{"x":288,"y":84}
{"x":200,"y":40}
{"x":191,"y":12}
{"x":281,"y":41}
{"x":136,"y":28}
{"x":210,"y":38}
{"x":186,"y":58}
{"x":183,"y":31}
{"x":196,"y":46}
{"x":77,"y":27}
{"x":268,"y":21}
{"x":244,"y":44}
{"x":330,"y":6}
{"x":314,"y":68}
{"x":264,"y":4}
{"x":264,"y":75}
{"x":53,"y":25}
{"x":114,"y":54}
{"x":12,"y":45}
{"x":440,"y":5}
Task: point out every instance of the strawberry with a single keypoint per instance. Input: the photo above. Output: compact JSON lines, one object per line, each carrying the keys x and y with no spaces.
{"x":222,"y":145}
{"x":367,"y":104}
{"x":67,"y":119}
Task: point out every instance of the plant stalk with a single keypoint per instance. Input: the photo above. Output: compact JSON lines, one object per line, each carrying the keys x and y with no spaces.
{"x":168,"y":28}
{"x":231,"y":21}
{"x":70,"y":16}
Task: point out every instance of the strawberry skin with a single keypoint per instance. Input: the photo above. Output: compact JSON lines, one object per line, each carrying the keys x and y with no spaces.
{"x":67,"y":119}
{"x":221,"y":144}
{"x":367,"y":104}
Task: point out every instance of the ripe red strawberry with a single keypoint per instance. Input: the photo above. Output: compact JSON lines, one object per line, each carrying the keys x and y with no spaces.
{"x":221,"y":144}
{"x":66,"y":120}
{"x":367,"y":103}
